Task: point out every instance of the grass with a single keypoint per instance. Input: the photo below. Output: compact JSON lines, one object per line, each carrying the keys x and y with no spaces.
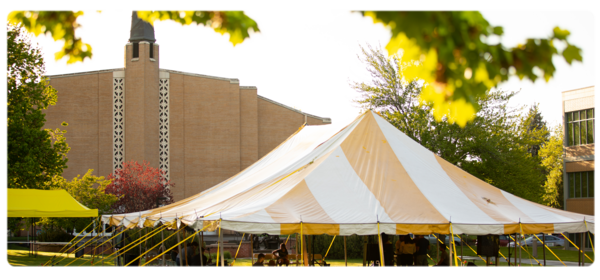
{"x":18,"y":256}
{"x":564,"y":255}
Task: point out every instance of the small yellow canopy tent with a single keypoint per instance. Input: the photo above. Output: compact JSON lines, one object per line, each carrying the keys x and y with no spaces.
{"x":46,"y":203}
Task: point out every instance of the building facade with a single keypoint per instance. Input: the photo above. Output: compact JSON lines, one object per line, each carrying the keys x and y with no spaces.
{"x":198,"y":129}
{"x":579,"y":144}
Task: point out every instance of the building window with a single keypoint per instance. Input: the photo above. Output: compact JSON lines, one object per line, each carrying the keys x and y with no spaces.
{"x":581,"y":184}
{"x":151,"y":50}
{"x":580,"y":127}
{"x":136,"y":50}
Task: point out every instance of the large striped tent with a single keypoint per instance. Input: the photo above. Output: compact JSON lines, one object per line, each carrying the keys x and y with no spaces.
{"x":363,"y":179}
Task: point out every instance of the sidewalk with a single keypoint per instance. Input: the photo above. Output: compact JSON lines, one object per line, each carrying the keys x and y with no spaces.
{"x":528,"y":262}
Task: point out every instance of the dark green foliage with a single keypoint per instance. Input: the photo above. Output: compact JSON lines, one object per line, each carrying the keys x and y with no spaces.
{"x":34,"y":154}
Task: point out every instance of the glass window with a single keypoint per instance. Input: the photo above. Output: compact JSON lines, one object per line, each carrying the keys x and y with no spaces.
{"x":583,"y":115}
{"x":583,"y":133}
{"x":575,"y":116}
{"x":590,"y":131}
{"x":570,"y":135}
{"x":571,"y":178}
{"x":584,"y":184}
{"x":590,"y":113}
{"x":576,"y":127}
{"x":577,"y":186}
{"x":570,"y":117}
{"x":591,"y":184}
{"x":577,"y":130}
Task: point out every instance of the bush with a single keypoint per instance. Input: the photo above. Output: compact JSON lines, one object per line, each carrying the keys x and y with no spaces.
{"x":54,"y":235}
{"x":227,"y":255}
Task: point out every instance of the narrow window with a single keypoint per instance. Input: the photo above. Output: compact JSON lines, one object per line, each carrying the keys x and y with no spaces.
{"x":151,"y":50}
{"x":576,"y":126}
{"x":584,"y":184}
{"x":136,"y":50}
{"x":571,"y":181}
{"x":577,"y":184}
{"x":583,"y":132}
{"x":590,"y":131}
{"x":592,"y":184}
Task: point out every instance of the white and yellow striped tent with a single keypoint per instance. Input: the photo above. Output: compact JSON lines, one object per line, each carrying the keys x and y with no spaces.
{"x":366,"y":176}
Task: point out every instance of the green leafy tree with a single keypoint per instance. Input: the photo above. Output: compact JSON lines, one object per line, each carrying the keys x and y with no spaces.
{"x":551,"y":154}
{"x":451,"y":53}
{"x":447,"y":50}
{"x":35,"y":155}
{"x":62,"y":25}
{"x":88,"y":190}
{"x":493,"y":147}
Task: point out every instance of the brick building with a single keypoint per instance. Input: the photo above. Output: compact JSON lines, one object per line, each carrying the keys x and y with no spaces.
{"x":578,"y":172}
{"x":199,"y":129}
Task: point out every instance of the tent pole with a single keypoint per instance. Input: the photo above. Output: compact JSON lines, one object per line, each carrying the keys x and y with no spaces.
{"x":162,"y":244}
{"x":180,"y":253}
{"x":252,"y":248}
{"x":345,"y":252}
{"x":313,"y":250}
{"x":221,"y":245}
{"x":516,"y":254}
{"x":185,"y":247}
{"x":452,"y":249}
{"x":508,"y":260}
{"x":437,"y":251}
{"x":201,"y":245}
{"x":582,"y":248}
{"x":544,"y":247}
{"x":461,"y":249}
{"x":365,"y":240}
{"x":520,"y":251}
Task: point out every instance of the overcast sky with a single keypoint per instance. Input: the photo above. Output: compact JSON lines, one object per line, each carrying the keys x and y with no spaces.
{"x":306,"y":59}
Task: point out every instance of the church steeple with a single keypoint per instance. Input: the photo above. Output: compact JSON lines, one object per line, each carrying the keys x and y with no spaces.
{"x":140,"y":30}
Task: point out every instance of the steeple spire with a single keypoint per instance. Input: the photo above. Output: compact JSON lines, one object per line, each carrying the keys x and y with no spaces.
{"x":140,"y":30}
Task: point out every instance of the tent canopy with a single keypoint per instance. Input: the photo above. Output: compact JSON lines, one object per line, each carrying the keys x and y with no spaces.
{"x":46,"y":203}
{"x":367,"y":178}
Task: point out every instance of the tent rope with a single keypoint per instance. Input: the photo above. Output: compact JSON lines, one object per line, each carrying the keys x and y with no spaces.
{"x":382,"y":260}
{"x":238,"y":249}
{"x":461,"y":240}
{"x":329,"y":247}
{"x":453,"y":245}
{"x":526,"y":250}
{"x":288,"y":238}
{"x":61,"y":250}
{"x":156,"y":245}
{"x":77,"y":249}
{"x":136,"y":242}
{"x":159,"y":255}
{"x":576,"y":247}
{"x":111,"y":247}
{"x":549,"y":249}
{"x":523,"y":238}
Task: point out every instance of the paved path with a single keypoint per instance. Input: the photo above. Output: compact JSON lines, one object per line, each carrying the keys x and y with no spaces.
{"x":528,"y":262}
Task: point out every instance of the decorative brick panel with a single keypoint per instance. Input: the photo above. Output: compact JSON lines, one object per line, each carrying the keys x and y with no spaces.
{"x":118,"y":123}
{"x":163,"y":95}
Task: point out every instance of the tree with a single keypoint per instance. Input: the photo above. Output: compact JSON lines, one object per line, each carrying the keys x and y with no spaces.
{"x":88,"y":190}
{"x":551,"y":154}
{"x":450,"y":52}
{"x":537,"y":129}
{"x":138,"y":186}
{"x":61,"y":25}
{"x":35,"y":155}
{"x":493,"y":147}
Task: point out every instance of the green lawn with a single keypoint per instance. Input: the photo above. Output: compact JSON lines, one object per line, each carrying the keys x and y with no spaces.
{"x":18,"y":256}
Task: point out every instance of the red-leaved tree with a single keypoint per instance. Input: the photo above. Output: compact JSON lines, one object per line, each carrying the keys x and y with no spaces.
{"x":139,"y":187}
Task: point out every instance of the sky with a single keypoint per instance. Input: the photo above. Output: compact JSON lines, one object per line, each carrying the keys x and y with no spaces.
{"x":307,"y":60}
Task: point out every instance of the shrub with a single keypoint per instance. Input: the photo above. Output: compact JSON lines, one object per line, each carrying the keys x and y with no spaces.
{"x":54,"y":235}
